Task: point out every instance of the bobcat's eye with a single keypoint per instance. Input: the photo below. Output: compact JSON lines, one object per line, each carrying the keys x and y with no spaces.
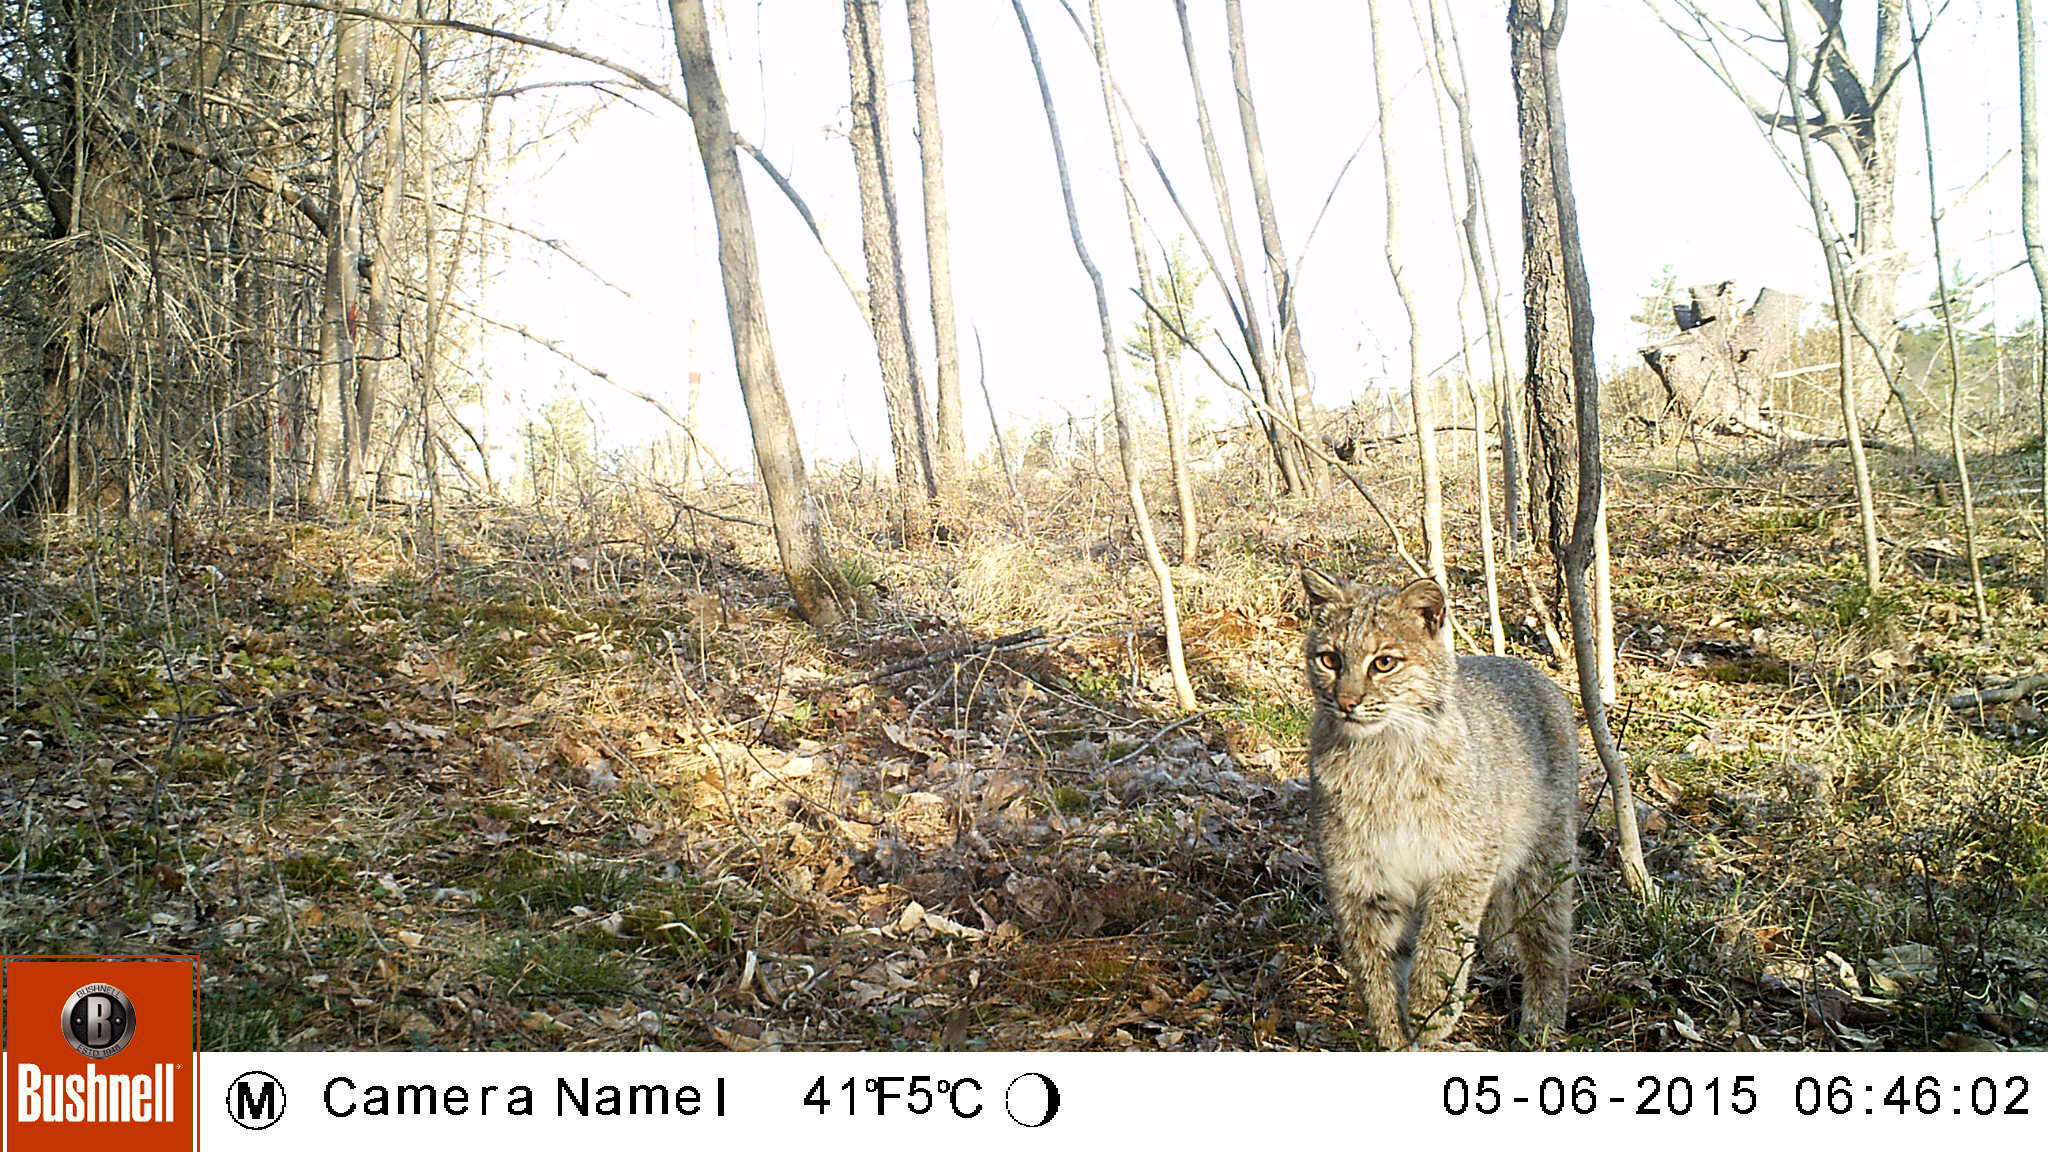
{"x":1330,"y":660}
{"x":1384,"y":663}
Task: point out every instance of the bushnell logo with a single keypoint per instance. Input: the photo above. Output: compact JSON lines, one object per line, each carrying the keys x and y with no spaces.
{"x":120,"y":1068}
{"x":98,"y":1021}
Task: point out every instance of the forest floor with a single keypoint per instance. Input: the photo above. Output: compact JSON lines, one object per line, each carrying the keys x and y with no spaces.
{"x":588,"y":785}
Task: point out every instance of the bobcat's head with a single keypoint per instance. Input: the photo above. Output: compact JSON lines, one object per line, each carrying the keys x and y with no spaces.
{"x":1375,"y":662}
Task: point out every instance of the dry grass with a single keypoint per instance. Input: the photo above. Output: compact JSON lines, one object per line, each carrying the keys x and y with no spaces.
{"x":591,"y":786}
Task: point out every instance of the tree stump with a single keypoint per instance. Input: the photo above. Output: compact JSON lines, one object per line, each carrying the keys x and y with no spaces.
{"x":1716,"y":371}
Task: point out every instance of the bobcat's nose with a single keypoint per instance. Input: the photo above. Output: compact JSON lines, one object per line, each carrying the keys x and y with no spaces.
{"x":1346,"y":703}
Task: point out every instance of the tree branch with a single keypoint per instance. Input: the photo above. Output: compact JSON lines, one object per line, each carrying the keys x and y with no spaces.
{"x":641,"y":79}
{"x":261,"y":178}
{"x":54,"y":196}
{"x":1314,"y":449}
{"x":789,"y":192}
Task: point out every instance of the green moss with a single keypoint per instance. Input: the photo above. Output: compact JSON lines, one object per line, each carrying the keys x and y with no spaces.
{"x":1750,"y":670}
{"x":315,"y":875}
{"x":1071,"y":801}
{"x":194,"y":763}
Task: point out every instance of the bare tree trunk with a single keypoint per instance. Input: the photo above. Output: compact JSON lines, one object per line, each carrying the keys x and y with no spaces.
{"x":383,"y":327}
{"x":902,"y":388}
{"x":336,"y":450}
{"x":2037,"y":253}
{"x":1301,"y":396}
{"x":815,"y":580}
{"x":430,"y":469}
{"x":1955,"y":366}
{"x":1285,"y":455}
{"x":345,"y":256}
{"x":1874,"y":284}
{"x":1478,"y":232}
{"x":1126,"y":448}
{"x":1469,"y":259}
{"x":1560,"y":349}
{"x":1603,"y":607}
{"x":1155,"y":336}
{"x":1852,"y":424}
{"x":1165,"y":375}
{"x":1495,"y":632}
{"x":952,"y":436}
{"x":1418,"y":387}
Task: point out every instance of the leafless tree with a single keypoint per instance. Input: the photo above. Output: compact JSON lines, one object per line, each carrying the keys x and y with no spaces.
{"x":815,"y":580}
{"x":881,"y":242}
{"x":1955,"y":365}
{"x":1286,"y":455}
{"x":951,"y":456}
{"x":1563,"y":380}
{"x":1478,"y":231}
{"x":1845,"y":306}
{"x":1126,"y":447}
{"x":1852,"y":108}
{"x":2030,"y":231}
{"x":1469,"y":256}
{"x":1157,"y":340}
{"x":1300,"y":394}
{"x":1418,"y":384}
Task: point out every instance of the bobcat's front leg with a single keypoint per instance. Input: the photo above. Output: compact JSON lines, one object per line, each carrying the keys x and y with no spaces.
{"x":1369,"y":928}
{"x":1452,"y":914}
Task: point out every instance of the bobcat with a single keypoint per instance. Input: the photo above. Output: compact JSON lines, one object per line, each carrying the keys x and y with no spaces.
{"x":1444,"y":797}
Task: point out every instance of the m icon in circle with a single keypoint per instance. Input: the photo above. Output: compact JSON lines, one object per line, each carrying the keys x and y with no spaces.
{"x":256,"y":1100}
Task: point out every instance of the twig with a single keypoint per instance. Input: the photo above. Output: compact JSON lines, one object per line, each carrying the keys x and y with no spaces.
{"x":2001,"y":694}
{"x":1158,"y":736}
{"x":686,"y":506}
{"x":1028,"y":638}
{"x":183,"y":719}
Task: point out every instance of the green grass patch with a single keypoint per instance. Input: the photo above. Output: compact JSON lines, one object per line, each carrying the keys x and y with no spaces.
{"x":550,"y":888}
{"x":254,"y":1015}
{"x":583,"y":965}
{"x":42,"y":853}
{"x":1778,"y":526}
{"x":1282,"y":723}
{"x":1873,"y":616}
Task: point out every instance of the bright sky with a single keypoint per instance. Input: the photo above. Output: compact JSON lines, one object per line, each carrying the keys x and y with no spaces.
{"x":1668,"y":168}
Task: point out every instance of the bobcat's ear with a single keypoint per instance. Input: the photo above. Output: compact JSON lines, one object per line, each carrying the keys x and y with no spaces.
{"x":1323,"y":589}
{"x":1424,"y":598}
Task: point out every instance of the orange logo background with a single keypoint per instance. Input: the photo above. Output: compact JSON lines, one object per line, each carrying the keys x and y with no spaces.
{"x":165,"y":992}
